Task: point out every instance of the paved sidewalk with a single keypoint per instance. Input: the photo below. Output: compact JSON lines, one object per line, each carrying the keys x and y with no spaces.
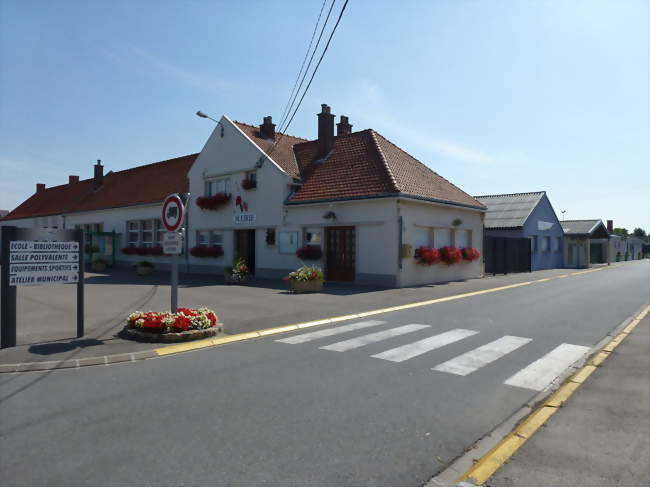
{"x":47,"y":320}
{"x":601,"y":436}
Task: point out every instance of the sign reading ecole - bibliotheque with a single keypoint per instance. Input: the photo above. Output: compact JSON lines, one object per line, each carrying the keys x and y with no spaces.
{"x":36,"y":257}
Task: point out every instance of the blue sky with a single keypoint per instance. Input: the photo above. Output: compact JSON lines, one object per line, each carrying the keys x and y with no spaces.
{"x":497,"y":96}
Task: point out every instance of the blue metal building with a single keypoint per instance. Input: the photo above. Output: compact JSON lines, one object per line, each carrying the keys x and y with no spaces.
{"x":527,"y":215}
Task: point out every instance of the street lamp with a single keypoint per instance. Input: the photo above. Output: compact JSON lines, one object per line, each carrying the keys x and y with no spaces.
{"x":205,"y":115}
{"x":563,"y":211}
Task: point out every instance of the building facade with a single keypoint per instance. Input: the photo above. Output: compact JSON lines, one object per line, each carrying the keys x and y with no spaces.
{"x":351,"y":203}
{"x":530,"y":216}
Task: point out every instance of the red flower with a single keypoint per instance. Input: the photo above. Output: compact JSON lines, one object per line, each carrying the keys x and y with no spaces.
{"x":450,"y":255}
{"x":470,"y":254}
{"x":182,"y":323}
{"x":427,"y":255}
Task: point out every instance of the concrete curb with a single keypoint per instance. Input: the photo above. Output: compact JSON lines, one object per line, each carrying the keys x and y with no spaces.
{"x":211,"y":342}
{"x":524,"y":423}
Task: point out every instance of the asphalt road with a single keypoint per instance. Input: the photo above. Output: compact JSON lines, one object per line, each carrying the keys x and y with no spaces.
{"x":275,"y":413}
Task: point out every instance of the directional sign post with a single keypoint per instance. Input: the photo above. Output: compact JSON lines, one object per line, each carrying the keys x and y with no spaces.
{"x":34,"y":257}
{"x":173,"y":215}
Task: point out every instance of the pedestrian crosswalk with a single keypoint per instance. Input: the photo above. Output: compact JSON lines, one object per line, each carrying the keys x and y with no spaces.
{"x":536,"y":376}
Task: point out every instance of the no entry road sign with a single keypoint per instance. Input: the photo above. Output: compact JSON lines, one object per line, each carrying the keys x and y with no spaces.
{"x":173,"y":212}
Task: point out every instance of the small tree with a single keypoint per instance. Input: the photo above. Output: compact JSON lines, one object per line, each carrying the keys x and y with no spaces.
{"x":621,"y":232}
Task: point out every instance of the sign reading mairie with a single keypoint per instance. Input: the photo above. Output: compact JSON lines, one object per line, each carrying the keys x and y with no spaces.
{"x":33,"y":262}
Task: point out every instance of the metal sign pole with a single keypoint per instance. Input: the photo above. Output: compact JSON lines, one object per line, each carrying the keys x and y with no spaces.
{"x":7,"y":294}
{"x":80,"y":285}
{"x":174,"y":283}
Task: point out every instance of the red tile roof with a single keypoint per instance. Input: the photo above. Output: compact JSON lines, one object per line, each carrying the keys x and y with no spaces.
{"x":364,"y":165}
{"x":144,"y":184}
{"x":282,"y":153}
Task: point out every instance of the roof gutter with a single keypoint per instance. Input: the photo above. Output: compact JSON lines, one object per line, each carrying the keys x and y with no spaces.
{"x":387,"y":195}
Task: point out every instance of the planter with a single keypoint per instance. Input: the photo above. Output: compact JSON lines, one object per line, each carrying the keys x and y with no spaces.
{"x":183,"y":336}
{"x":99,"y":266}
{"x":231,"y":278}
{"x":313,"y":286}
{"x":143,"y":270}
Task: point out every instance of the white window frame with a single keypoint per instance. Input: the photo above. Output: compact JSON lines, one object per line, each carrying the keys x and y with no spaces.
{"x":436,"y":237}
{"x":212,"y":238}
{"x":313,"y":231}
{"x":156,"y":231}
{"x":469,"y":237}
{"x":420,"y":232}
{"x":215,"y":186}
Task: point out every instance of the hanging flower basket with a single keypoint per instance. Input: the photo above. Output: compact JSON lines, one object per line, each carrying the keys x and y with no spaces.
{"x":248,"y":184}
{"x":450,"y":255}
{"x":213,"y":202}
{"x":470,"y":254}
{"x":202,"y":252}
{"x":309,"y":253}
{"x":427,"y":255}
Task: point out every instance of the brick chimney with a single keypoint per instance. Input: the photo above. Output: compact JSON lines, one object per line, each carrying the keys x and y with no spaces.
{"x":267,"y":129}
{"x":343,"y":127}
{"x":610,"y":226}
{"x":98,"y":178}
{"x":325,"y":131}
{"x":40,"y":187}
{"x":73,"y":179}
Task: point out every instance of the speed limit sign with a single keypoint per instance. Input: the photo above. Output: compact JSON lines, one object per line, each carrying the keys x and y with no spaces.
{"x":173,"y":212}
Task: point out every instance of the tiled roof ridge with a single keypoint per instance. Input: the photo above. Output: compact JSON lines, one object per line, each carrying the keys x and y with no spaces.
{"x":423,"y":164}
{"x":382,"y":157}
{"x":280,"y":133}
{"x":143,"y":166}
{"x":510,"y":194}
{"x":585,"y":220}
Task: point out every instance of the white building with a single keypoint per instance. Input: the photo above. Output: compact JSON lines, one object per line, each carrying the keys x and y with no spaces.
{"x":354,"y":202}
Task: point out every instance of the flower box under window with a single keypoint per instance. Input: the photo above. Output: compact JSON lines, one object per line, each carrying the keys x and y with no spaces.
{"x":213,"y":202}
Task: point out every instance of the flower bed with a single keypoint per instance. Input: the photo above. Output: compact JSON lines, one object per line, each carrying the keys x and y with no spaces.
{"x":213,"y":251}
{"x":185,"y":324}
{"x":212,"y":202}
{"x":427,"y":255}
{"x":470,"y":254}
{"x":309,"y":253}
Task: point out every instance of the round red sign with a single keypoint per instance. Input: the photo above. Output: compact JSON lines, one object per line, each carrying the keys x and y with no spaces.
{"x":173,"y":212}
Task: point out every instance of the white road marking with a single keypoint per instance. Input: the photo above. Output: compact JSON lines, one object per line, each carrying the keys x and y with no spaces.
{"x":373,"y":337}
{"x":306,"y":337}
{"x":405,"y":352}
{"x":479,"y":357}
{"x":545,"y":370}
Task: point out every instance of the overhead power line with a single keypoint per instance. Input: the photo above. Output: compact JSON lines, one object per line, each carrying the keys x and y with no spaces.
{"x":311,"y":41}
{"x":317,"y":65}
{"x":311,"y":79}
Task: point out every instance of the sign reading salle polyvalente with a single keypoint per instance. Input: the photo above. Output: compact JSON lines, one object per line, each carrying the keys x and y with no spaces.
{"x":33,"y":263}
{"x":33,"y":257}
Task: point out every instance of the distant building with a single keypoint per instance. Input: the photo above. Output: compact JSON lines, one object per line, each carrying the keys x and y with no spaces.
{"x":3,"y":213}
{"x":586,"y":242}
{"x":530,"y":216}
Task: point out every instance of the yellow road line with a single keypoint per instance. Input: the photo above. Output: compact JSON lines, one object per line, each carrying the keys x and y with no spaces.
{"x":185,"y":347}
{"x":482,"y":470}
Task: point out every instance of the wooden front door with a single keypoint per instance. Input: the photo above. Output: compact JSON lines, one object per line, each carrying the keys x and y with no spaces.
{"x":340,"y":246}
{"x":245,"y":247}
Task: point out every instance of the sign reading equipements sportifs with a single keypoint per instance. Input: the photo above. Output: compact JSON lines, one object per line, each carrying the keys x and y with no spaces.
{"x":33,"y":257}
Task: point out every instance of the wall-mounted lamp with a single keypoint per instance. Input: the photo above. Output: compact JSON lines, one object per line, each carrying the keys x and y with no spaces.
{"x":329,"y":215}
{"x":205,"y":115}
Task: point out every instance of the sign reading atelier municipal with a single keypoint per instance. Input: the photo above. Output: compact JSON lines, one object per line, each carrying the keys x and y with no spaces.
{"x":173,"y":212}
{"x":34,"y":257}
